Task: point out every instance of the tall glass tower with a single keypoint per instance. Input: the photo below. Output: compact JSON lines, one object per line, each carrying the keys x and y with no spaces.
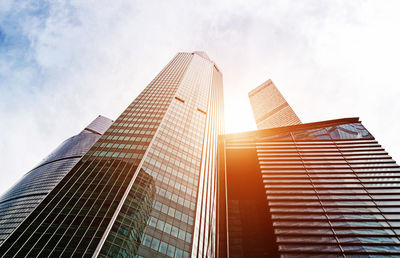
{"x":19,"y":201}
{"x":147,"y":186}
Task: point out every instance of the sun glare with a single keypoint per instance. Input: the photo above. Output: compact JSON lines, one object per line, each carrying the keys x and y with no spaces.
{"x":239,"y":117}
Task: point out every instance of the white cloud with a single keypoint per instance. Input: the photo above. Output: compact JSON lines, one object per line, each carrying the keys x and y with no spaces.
{"x":330,"y":59}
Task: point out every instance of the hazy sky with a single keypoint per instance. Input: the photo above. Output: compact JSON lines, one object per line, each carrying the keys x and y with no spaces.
{"x":62,"y":63}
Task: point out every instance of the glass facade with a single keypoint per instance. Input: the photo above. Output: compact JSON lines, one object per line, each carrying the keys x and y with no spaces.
{"x":329,"y":188}
{"x":270,"y":108}
{"x":142,"y":188}
{"x":18,"y":202}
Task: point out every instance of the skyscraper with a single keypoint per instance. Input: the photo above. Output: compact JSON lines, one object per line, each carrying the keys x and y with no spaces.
{"x":147,"y":186}
{"x":316,"y":189}
{"x":270,"y":109}
{"x":18,"y":202}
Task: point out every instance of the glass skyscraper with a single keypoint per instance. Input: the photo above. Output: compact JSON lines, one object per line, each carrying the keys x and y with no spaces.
{"x":147,"y":187}
{"x":19,"y":201}
{"x":270,"y":109}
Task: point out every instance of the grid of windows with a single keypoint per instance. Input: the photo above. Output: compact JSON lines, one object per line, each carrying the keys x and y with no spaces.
{"x":132,"y":218}
{"x":174,"y":161}
{"x":205,"y":223}
{"x":281,"y":116}
{"x":331,"y":190}
{"x":18,"y":202}
{"x":270,"y":108}
{"x":73,"y":218}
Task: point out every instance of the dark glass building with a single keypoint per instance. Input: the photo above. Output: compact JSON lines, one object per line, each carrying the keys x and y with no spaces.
{"x":19,"y":201}
{"x":147,"y":187}
{"x":270,"y":109}
{"x":310,"y":190}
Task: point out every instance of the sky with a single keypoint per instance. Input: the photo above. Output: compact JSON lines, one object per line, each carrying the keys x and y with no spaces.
{"x":63,"y":63}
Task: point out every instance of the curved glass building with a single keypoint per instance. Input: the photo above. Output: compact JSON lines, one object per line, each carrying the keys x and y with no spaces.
{"x":18,"y":202}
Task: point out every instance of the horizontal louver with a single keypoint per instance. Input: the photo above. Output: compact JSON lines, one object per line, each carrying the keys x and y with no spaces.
{"x":331,"y":197}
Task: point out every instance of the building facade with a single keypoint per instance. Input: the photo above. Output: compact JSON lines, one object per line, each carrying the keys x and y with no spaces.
{"x":270,"y":109}
{"x":147,"y":187}
{"x":19,"y":201}
{"x":318,"y":189}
